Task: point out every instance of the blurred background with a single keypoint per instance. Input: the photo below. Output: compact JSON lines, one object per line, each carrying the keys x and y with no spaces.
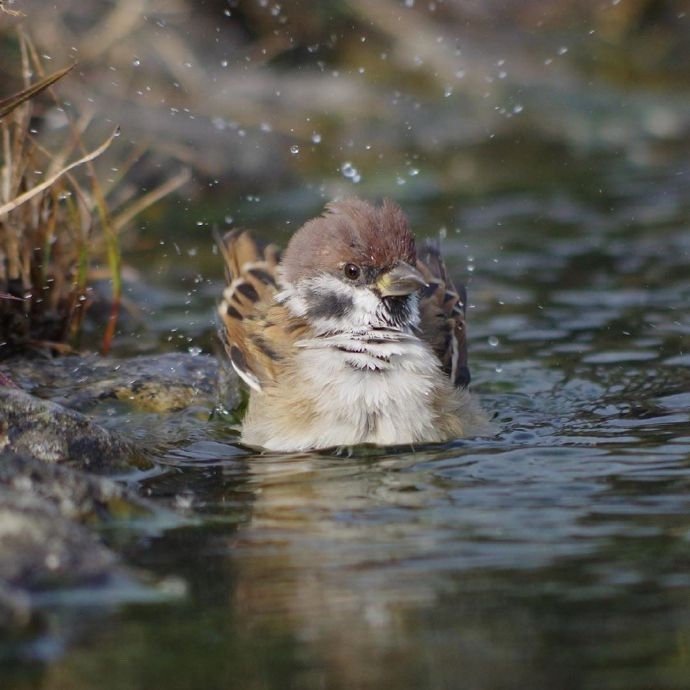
{"x":259,"y":96}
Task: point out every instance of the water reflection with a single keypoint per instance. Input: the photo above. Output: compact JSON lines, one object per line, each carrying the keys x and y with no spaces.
{"x":441,"y":562}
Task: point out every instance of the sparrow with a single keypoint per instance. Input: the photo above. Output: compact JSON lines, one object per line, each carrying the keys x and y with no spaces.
{"x":349,"y":338}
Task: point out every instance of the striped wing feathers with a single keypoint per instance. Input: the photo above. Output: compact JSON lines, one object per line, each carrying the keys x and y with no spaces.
{"x":442,"y":310}
{"x":251,"y":278}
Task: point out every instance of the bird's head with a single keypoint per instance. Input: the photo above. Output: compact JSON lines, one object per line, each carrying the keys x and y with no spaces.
{"x":353,"y":269}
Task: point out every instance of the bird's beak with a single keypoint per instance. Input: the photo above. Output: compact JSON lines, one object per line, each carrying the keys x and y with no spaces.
{"x":402,"y":279}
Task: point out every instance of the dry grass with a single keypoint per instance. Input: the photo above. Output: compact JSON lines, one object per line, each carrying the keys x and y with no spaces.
{"x":55,"y":223}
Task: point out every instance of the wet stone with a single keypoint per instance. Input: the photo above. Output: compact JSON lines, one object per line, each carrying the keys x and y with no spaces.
{"x":75,"y":495}
{"x":44,"y":541}
{"x":35,"y":420}
{"x":52,"y":433}
{"x":54,"y":451}
{"x":39,"y":547}
{"x":155,"y":383}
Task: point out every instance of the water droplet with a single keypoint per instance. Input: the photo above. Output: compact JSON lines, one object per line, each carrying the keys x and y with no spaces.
{"x":294,"y":149}
{"x":448,"y":91}
{"x":184,"y":502}
{"x":413,"y":172}
{"x":223,"y":63}
{"x":517,"y":109}
{"x":347,"y":169}
{"x":194,"y":351}
{"x":493,"y":341}
{"x":316,"y":138}
{"x":228,"y":219}
{"x":498,"y":369}
{"x":136,"y":62}
{"x":562,"y":50}
{"x":400,"y":180}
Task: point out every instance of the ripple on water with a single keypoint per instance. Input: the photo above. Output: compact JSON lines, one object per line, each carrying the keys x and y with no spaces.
{"x":620,"y":356}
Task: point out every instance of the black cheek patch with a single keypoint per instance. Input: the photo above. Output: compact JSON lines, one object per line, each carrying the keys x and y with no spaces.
{"x":398,"y":309}
{"x":325,"y":305}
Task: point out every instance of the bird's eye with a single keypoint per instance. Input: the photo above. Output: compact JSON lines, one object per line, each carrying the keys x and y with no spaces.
{"x":351,"y":271}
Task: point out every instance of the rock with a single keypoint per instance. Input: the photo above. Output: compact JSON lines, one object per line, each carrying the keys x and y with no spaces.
{"x":53,"y":456}
{"x":75,"y":495}
{"x":47,"y":539}
{"x":40,"y":547}
{"x":41,"y":543}
{"x":157,"y":383}
{"x":51,"y":433}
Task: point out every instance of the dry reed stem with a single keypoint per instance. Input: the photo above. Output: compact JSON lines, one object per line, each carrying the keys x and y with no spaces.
{"x":31,"y":193}
{"x":7,"y":105}
{"x":12,"y":13}
{"x":142,"y":203}
{"x":51,"y":230}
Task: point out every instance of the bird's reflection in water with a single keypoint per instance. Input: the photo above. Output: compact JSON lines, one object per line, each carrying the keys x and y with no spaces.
{"x":339,"y":554}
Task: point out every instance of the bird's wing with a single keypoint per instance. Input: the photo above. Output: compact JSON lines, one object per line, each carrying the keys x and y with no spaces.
{"x":243,"y":310}
{"x":442,"y":310}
